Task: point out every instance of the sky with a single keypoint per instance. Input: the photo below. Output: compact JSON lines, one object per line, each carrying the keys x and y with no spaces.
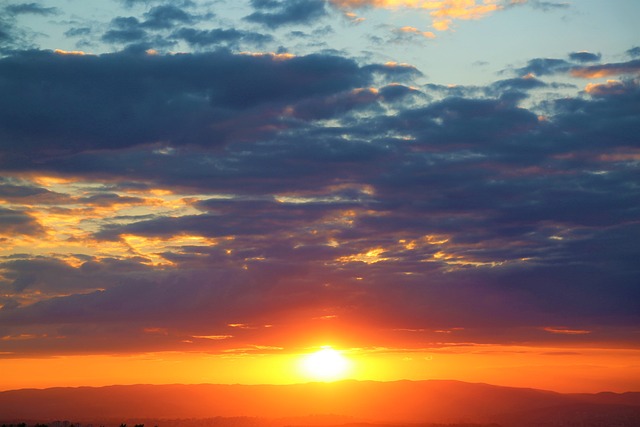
{"x":202,"y":191}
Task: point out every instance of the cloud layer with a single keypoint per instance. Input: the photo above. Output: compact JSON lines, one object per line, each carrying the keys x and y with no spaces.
{"x":222,"y":199}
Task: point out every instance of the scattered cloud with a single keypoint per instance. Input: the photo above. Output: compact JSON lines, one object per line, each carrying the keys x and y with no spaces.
{"x":584,"y":56}
{"x":208,"y":198}
{"x":288,"y":12}
{"x":606,"y":70}
{"x":442,"y":13}
{"x":30,"y":9}
{"x":286,"y":182}
{"x":413,"y":31}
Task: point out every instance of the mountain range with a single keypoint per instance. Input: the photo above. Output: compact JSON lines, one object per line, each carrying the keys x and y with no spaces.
{"x":338,"y":403}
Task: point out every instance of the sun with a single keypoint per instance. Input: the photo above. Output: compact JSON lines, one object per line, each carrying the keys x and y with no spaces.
{"x":325,"y":364}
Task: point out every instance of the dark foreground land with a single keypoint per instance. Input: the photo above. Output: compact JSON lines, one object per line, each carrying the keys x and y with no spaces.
{"x":341,"y":404}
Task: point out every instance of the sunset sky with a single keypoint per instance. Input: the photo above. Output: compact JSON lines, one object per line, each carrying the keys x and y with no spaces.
{"x":205,"y":191}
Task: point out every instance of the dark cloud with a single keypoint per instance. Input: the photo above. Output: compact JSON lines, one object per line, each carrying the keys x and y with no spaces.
{"x":266,"y":4}
{"x":312,"y":192}
{"x":610,"y":69}
{"x":178,"y":3}
{"x":544,"y":67}
{"x":634,"y":52}
{"x":30,"y":9}
{"x":336,"y":105}
{"x":12,"y":35}
{"x":15,"y":190}
{"x":125,"y":30}
{"x":166,"y":16}
{"x":221,"y":37}
{"x":518,"y":85}
{"x":14,"y":222}
{"x":288,"y":12}
{"x":584,"y":56}
{"x":125,"y":99}
{"x":549,"y":5}
{"x":78,"y":32}
{"x":398,"y":92}
{"x":157,"y":29}
{"x":395,"y":72}
{"x":550,"y":66}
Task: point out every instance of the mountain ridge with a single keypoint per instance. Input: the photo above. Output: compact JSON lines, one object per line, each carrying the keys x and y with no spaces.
{"x":368,"y":401}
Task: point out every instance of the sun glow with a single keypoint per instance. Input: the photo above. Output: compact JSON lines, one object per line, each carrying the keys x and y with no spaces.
{"x":325,"y":364}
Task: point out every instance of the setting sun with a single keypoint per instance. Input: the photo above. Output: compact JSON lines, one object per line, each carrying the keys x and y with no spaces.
{"x":326,"y":364}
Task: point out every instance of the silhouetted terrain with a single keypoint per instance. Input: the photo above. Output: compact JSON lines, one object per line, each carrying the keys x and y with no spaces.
{"x":341,"y":403}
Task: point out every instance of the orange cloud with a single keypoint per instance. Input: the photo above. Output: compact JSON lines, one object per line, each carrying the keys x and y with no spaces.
{"x":611,"y":87}
{"x":274,"y":56}
{"x":354,"y":18}
{"x":606,"y":70}
{"x":414,"y":30}
{"x":69,"y":52}
{"x":443,"y":12}
{"x":566,"y":331}
{"x":372,"y":256}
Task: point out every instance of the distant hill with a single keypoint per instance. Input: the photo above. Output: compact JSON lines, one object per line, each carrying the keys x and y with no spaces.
{"x":358,"y":401}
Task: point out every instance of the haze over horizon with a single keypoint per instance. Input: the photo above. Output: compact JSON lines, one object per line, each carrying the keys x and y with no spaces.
{"x":285,"y":191}
{"x":345,"y":403}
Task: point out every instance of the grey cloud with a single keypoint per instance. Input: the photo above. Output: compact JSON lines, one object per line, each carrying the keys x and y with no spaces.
{"x":398,"y":93}
{"x":12,"y":36}
{"x":634,"y":52}
{"x":549,"y":5}
{"x":517,"y":84}
{"x":544,"y":66}
{"x":336,"y":105}
{"x":14,"y":222}
{"x":166,"y":16}
{"x":152,"y":29}
{"x":288,"y":12}
{"x":178,"y":3}
{"x":266,"y":4}
{"x":125,"y":99}
{"x":30,"y":9}
{"x":219,"y":36}
{"x":14,"y":190}
{"x":584,"y":56}
{"x":395,"y":71}
{"x":609,"y":69}
{"x":126,"y":30}
{"x":78,"y":32}
{"x":480,"y":212}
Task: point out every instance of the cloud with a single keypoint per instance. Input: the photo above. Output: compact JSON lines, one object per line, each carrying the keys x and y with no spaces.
{"x":289,"y":12}
{"x":77,"y":32}
{"x":525,"y":83}
{"x":407,"y":30}
{"x":219,"y":36}
{"x":443,"y":14}
{"x":584,"y":56}
{"x":159,"y":27}
{"x":14,"y":190}
{"x":544,"y":66}
{"x":166,"y":16}
{"x":611,"y":87}
{"x":30,"y":9}
{"x":545,"y":5}
{"x":178,"y":3}
{"x":181,"y":99}
{"x":15,"y":222}
{"x":606,"y":70}
{"x":185,"y":193}
{"x":13,"y":36}
{"x":125,"y":30}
